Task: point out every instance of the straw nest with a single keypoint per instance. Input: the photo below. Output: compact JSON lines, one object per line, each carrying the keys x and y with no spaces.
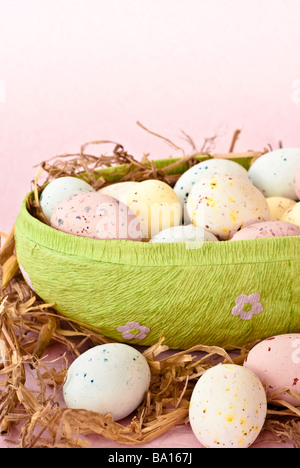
{"x":31,"y":411}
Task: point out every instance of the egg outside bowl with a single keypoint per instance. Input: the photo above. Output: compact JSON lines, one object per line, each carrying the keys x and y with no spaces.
{"x":214,"y":293}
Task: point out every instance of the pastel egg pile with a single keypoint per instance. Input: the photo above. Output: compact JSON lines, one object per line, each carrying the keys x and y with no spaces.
{"x":215,"y":200}
{"x":232,"y":203}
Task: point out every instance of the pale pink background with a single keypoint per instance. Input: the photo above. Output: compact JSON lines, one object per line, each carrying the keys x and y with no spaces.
{"x":79,"y":70}
{"x":72,"y":71}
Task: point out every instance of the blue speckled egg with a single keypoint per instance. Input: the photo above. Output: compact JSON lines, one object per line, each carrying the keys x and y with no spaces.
{"x":59,"y":189}
{"x":273,"y":173}
{"x":107,"y":378}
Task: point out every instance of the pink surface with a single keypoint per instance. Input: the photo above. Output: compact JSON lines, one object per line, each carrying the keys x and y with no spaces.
{"x":73,"y":71}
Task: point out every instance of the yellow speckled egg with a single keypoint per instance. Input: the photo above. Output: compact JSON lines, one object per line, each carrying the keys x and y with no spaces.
{"x":223,"y":204}
{"x":292,"y":215}
{"x":278,"y":206}
{"x":155,"y":204}
{"x":228,"y":407}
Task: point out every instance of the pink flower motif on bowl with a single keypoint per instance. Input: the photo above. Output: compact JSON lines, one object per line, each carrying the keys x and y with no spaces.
{"x":133,"y":331}
{"x":247,"y":306}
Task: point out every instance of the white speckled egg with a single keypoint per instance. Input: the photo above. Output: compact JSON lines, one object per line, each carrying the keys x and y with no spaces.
{"x":278,"y":206}
{"x":112,"y":378}
{"x":276,"y":361}
{"x":228,"y":407}
{"x":59,"y":189}
{"x":273,"y":173}
{"x":224,"y":204}
{"x":186,"y":233}
{"x":206,"y":168}
{"x":267,"y":229}
{"x":118,"y":189}
{"x":156,"y":205}
{"x":292,"y":215}
{"x":97,"y":216}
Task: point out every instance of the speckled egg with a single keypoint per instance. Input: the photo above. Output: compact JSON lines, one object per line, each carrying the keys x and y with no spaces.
{"x":118,"y":189}
{"x":186,"y":233}
{"x":276,"y":361}
{"x":228,"y":407}
{"x":273,"y":173}
{"x":278,"y":206}
{"x":59,"y":189}
{"x":292,"y":215}
{"x":267,"y":229}
{"x":112,"y":378}
{"x":97,"y":216}
{"x":296,"y":183}
{"x":205,"y":169}
{"x":224,"y":204}
{"x":156,"y":205}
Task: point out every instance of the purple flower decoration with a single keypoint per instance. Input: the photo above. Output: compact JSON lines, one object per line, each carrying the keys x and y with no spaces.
{"x":247,"y":306}
{"x":133,"y":331}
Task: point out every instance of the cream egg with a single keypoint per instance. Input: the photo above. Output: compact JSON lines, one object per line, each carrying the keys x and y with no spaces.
{"x":228,"y":407}
{"x":273,"y":173}
{"x":118,"y":189}
{"x":155,"y":204}
{"x":59,"y":189}
{"x":292,"y":215}
{"x":278,"y":206}
{"x":276,"y":361}
{"x":110,"y":378}
{"x":97,"y":216}
{"x":224,"y":204}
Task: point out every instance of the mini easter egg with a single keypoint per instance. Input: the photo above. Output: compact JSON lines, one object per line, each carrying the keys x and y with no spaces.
{"x":296,"y":183}
{"x":186,"y":233}
{"x":273,"y":173}
{"x":205,"y":169}
{"x":224,"y":204}
{"x":119,"y":189}
{"x":228,"y":407}
{"x":156,"y":205}
{"x":292,"y":215}
{"x":267,"y":229}
{"x":276,"y":361}
{"x":112,"y":378}
{"x":278,"y":206}
{"x":97,"y":216}
{"x":59,"y":189}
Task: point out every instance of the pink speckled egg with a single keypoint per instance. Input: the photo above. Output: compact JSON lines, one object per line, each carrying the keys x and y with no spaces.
{"x":276,"y":361}
{"x":267,"y":229}
{"x":96,"y":215}
{"x":296,"y":182}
